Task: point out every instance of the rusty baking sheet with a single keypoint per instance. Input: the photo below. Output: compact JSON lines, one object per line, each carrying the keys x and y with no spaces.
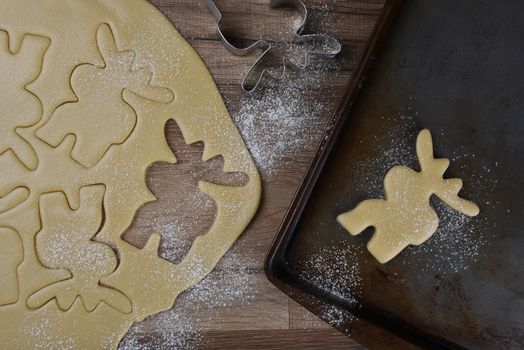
{"x":456,"y":68}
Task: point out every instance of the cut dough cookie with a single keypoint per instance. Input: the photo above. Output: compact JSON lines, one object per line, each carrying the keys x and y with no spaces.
{"x":405,"y":216}
{"x":12,"y":254}
{"x":18,"y":106}
{"x":92,"y":84}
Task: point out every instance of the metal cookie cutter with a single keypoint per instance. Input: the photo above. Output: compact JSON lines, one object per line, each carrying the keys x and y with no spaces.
{"x":325,"y":46}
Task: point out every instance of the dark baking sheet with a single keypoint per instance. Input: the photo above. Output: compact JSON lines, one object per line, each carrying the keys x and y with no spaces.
{"x":456,"y":68}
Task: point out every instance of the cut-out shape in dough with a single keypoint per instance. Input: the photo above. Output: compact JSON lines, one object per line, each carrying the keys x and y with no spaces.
{"x":13,"y":198}
{"x":11,"y":256}
{"x":166,"y":181}
{"x":101,"y":117}
{"x":124,"y":59}
{"x":19,"y":107}
{"x":66,"y":241}
{"x":405,"y":216}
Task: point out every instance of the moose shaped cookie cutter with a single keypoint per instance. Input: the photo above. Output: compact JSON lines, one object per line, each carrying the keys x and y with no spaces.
{"x":325,"y":46}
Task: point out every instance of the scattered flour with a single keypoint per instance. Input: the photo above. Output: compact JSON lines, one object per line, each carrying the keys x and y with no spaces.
{"x":143,"y":339}
{"x":46,"y":339}
{"x":285,"y":118}
{"x":455,"y":245}
{"x":459,"y":238}
{"x":336,"y":270}
{"x":182,"y":326}
{"x":337,"y":317}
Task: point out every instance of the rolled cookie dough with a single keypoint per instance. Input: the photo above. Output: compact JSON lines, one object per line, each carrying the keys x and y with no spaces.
{"x":88,"y":86}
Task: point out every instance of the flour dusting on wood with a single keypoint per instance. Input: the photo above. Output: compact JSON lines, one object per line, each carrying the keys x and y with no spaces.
{"x":182,"y":327}
{"x":285,"y":118}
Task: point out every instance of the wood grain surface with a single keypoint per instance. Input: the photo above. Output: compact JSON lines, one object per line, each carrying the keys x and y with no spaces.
{"x":265,"y":318}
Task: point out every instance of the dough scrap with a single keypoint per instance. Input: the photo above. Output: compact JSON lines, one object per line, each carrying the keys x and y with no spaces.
{"x":96,"y":81}
{"x":405,"y":216}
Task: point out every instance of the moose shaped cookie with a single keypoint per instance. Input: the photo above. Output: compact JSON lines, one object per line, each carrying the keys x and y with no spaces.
{"x":405,"y":216}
